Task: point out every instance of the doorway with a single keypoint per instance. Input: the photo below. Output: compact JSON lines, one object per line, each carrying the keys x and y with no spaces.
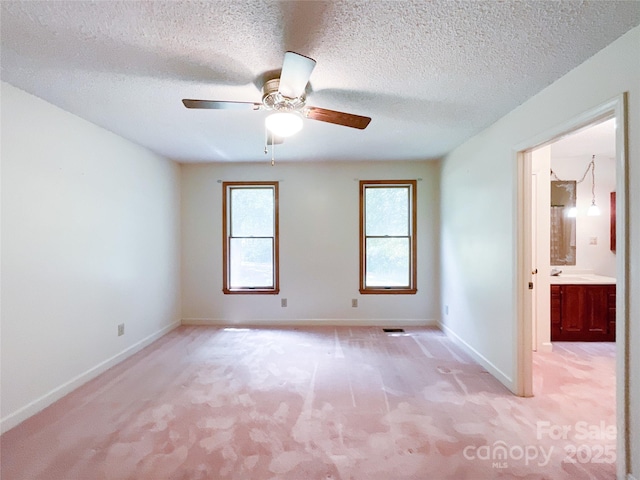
{"x":526,"y":275}
{"x":573,"y":237}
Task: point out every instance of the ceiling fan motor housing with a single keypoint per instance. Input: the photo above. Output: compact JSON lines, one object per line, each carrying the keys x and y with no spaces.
{"x":272,"y":99}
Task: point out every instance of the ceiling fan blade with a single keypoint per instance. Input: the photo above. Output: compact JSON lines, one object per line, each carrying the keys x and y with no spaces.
{"x":274,"y":139}
{"x":339,"y":118}
{"x":296,"y":70}
{"x":215,"y":105}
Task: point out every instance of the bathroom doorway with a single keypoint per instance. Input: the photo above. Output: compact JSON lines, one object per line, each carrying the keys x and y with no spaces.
{"x":573,"y":237}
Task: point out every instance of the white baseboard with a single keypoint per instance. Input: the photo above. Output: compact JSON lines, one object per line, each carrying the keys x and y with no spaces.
{"x":630,"y":477}
{"x":20,"y":415}
{"x":313,"y":322}
{"x":479,"y":358}
{"x":546,"y":347}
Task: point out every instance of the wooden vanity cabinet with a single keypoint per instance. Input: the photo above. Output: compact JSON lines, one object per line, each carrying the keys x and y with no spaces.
{"x":583,"y":313}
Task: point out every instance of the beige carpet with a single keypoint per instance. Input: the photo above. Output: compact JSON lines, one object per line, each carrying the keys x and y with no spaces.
{"x":325,"y":404}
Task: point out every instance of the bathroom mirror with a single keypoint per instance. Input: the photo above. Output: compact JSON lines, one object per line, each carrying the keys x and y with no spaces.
{"x":563,"y":223}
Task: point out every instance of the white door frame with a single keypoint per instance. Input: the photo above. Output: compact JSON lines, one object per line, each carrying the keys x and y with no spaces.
{"x":616,"y":108}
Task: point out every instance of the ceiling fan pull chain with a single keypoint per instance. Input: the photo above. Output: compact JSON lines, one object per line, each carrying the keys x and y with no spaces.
{"x":266,"y":140}
{"x":273,"y":155}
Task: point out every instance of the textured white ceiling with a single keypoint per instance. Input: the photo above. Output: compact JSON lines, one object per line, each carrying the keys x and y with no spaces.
{"x":430,"y":74}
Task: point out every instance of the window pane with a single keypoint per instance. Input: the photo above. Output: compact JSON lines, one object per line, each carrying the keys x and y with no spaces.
{"x":387,"y":262}
{"x":387,"y":211}
{"x":251,"y":262}
{"x":252,"y":212}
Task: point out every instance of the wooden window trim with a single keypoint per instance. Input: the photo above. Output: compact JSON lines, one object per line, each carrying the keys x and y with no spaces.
{"x":412,"y":288}
{"x":225,"y":242}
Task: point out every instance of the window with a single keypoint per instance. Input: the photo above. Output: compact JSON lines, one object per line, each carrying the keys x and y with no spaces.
{"x":388,"y":236}
{"x":250,"y":236}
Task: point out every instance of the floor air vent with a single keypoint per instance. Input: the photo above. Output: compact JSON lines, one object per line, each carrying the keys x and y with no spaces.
{"x":393,"y":330}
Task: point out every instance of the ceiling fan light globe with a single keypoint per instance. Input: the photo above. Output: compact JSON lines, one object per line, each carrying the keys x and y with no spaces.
{"x":284,"y":124}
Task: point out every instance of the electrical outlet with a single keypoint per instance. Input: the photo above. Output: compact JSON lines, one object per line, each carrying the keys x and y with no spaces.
{"x":283,"y":302}
{"x":354,"y":302}
{"x":446,"y":309}
{"x":121,"y":329}
{"x":593,"y":240}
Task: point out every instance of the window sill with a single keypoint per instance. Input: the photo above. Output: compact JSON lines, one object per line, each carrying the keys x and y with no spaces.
{"x":251,"y":291}
{"x":388,"y":291}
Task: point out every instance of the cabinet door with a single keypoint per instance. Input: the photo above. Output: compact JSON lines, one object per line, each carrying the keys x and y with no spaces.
{"x":597,"y":309}
{"x":573,"y":309}
{"x":612,"y":313}
{"x":586,"y":313}
{"x":556,"y":312}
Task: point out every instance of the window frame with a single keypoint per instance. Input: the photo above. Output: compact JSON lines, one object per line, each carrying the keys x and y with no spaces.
{"x":227,"y":187}
{"x":413,"y":245}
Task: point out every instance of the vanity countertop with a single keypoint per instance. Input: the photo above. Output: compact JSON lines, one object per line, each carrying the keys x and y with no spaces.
{"x":581,"y":279}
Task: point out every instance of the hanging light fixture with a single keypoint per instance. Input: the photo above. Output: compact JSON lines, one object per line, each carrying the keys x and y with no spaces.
{"x":284,"y":124}
{"x":593,"y":210}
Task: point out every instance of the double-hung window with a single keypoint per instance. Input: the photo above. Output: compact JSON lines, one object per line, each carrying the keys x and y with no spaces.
{"x":250,"y":237}
{"x":388,"y":236}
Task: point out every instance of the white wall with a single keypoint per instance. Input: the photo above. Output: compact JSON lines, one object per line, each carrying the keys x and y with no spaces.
{"x":318,"y":245}
{"x":597,"y":258}
{"x":90,"y":239}
{"x":478,"y":243}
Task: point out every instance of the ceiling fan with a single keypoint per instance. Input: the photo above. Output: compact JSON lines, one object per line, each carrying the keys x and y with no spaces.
{"x":286,"y":97}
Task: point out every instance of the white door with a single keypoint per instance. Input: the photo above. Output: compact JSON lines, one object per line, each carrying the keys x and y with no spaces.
{"x":540,"y":242}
